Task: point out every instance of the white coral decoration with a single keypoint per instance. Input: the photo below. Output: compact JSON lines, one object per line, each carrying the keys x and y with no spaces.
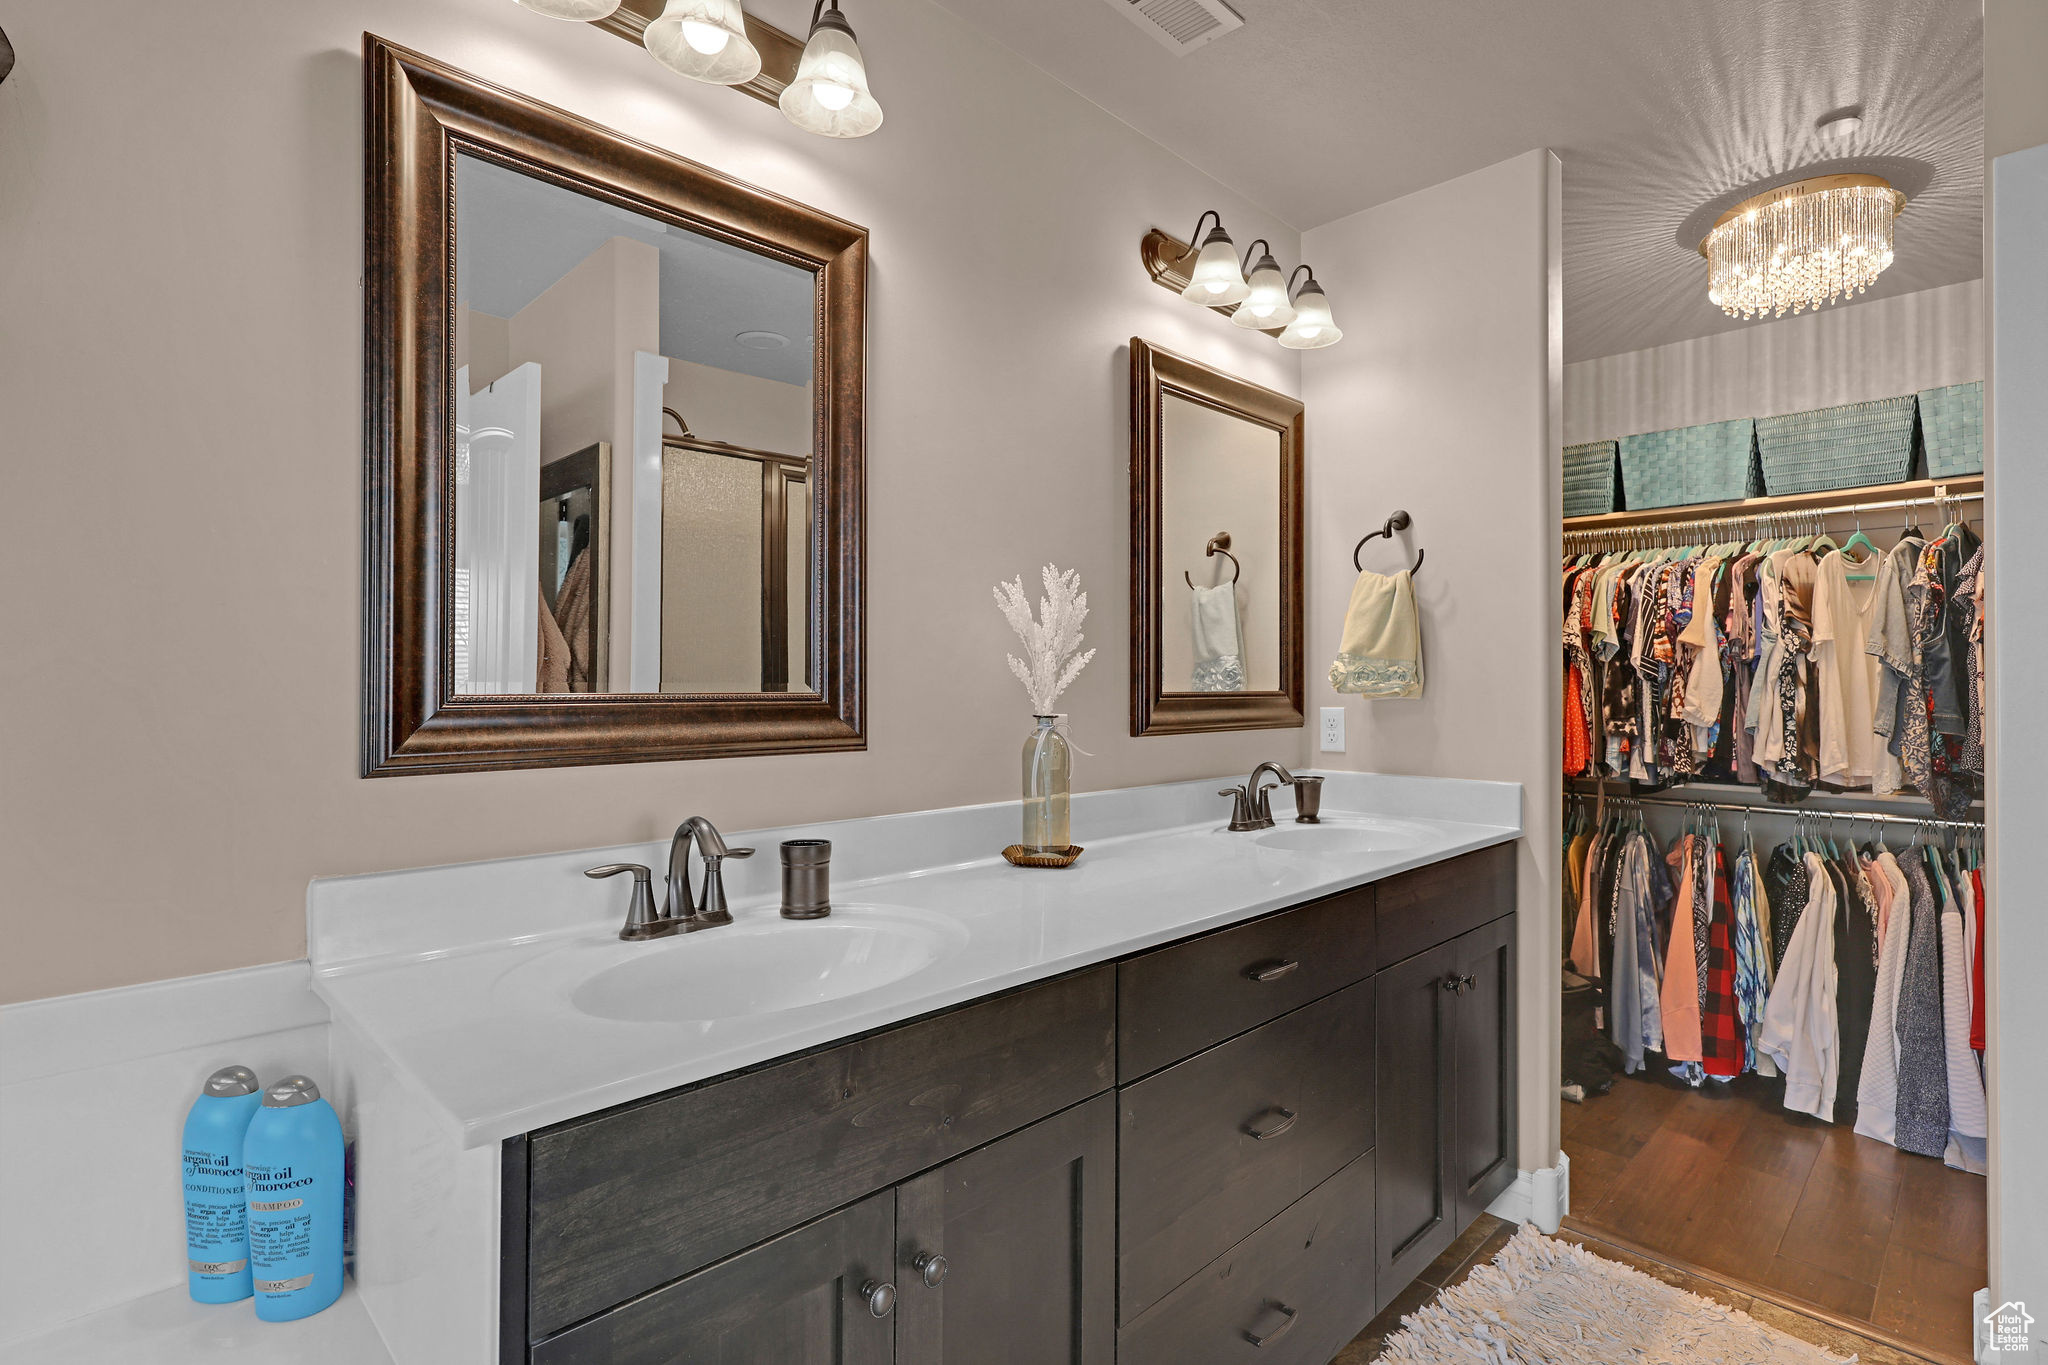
{"x":1050,"y":641}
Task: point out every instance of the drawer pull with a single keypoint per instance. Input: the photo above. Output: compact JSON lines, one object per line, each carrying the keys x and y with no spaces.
{"x":930,"y":1267}
{"x":880,"y":1298}
{"x":1287,"y":1317}
{"x":1458,"y":985}
{"x":1271,"y":971}
{"x":1271,"y":1124}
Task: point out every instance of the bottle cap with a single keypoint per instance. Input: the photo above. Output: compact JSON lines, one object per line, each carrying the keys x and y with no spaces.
{"x":230,"y":1080}
{"x":290,"y":1091}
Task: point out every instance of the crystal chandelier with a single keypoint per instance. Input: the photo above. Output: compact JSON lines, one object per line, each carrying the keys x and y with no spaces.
{"x":1801,"y":245}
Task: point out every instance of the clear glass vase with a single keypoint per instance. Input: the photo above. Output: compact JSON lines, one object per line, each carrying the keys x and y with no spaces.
{"x":1048,"y":788}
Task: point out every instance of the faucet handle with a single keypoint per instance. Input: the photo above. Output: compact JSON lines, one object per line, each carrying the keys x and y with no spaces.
{"x":641,"y":920}
{"x":738,"y":853}
{"x":1240,"y":808}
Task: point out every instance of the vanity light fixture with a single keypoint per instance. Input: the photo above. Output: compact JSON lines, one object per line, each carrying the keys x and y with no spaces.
{"x":577,"y":11}
{"x":705,"y":40}
{"x":1267,"y":304}
{"x":1217,"y":281}
{"x":830,"y":93}
{"x":1313,"y":327}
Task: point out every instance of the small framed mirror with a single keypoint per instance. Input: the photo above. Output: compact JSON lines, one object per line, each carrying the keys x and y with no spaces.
{"x":1216,"y":571}
{"x":615,"y":463}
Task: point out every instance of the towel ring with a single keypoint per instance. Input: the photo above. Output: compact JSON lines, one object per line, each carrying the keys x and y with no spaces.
{"x":1219,"y":544}
{"x":1400,"y":521}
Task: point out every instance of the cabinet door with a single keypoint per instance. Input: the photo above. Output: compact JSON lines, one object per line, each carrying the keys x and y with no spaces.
{"x":1415,"y":1205}
{"x":1007,"y":1256}
{"x":820,"y":1295}
{"x":1483,"y":1148}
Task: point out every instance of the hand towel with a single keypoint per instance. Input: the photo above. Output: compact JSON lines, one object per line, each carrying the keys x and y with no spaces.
{"x":1380,"y":654}
{"x":1219,"y":648}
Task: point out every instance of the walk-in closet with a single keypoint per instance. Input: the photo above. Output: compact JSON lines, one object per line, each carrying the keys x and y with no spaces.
{"x":1774,"y":894}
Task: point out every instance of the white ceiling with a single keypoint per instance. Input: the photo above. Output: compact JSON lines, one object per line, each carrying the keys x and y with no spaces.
{"x":516,"y":235}
{"x":1319,"y":108}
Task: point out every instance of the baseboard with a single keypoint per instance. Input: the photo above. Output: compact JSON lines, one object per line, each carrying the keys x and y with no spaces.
{"x":1542,"y":1196}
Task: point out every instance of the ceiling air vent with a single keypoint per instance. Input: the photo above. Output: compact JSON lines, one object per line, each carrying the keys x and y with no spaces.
{"x":1181,"y":25}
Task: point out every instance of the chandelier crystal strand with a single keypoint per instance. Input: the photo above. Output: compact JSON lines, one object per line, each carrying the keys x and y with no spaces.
{"x":1801,"y":246}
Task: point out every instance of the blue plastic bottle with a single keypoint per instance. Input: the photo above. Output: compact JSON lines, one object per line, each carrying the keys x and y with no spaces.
{"x":294,"y":1162}
{"x":216,"y":1205}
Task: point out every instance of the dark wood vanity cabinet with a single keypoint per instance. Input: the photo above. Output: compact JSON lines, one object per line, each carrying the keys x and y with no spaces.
{"x":1446,"y":1046}
{"x":1236,"y":1147}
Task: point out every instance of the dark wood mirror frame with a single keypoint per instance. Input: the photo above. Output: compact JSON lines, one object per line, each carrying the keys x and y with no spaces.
{"x":419,"y":114}
{"x":1155,"y":711}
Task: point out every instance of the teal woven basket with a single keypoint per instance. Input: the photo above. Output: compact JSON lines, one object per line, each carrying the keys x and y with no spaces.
{"x":1952,"y":429}
{"x":1592,"y":478}
{"x":1711,"y":463}
{"x":1845,"y":447}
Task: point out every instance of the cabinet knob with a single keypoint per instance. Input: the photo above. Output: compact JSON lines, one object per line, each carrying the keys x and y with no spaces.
{"x":880,"y":1298}
{"x":1458,"y":985}
{"x":931,"y":1268}
{"x":1273,"y":1334}
{"x":1271,"y":971}
{"x":1271,"y":1124}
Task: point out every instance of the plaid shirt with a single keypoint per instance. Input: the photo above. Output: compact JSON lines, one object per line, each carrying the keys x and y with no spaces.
{"x":1722,"y":1037}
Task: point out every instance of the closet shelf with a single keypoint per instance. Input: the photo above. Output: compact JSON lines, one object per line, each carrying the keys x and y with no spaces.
{"x":1847,"y":499}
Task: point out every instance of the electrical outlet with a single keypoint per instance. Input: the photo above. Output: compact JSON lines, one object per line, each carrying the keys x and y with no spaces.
{"x":1333,"y":729}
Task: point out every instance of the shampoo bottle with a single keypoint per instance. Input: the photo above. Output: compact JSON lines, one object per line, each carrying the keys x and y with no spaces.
{"x":216,"y":1205}
{"x":293,"y":1156}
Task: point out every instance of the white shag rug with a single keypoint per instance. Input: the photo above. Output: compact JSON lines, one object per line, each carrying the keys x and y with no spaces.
{"x":1546,"y":1302}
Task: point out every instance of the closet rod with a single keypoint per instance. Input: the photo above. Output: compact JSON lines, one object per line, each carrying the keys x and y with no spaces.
{"x":1851,"y":817}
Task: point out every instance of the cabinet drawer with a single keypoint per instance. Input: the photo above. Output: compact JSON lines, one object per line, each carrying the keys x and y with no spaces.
{"x":1302,"y":1285}
{"x":625,"y":1201}
{"x":1192,"y":1177}
{"x":1174,"y":1002}
{"x":1434,"y":904}
{"x":793,"y":1301}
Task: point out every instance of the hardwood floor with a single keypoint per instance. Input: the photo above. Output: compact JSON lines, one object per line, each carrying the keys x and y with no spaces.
{"x":1484,"y":1239}
{"x":1795,"y":1213}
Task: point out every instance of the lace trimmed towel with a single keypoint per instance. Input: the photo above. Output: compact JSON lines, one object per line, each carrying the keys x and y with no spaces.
{"x":1381,"y":651}
{"x":1219,"y":650}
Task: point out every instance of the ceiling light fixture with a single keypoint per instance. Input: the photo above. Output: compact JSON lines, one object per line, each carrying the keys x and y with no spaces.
{"x":1216,"y":280}
{"x":1801,"y":245}
{"x":705,"y":40}
{"x":1841,"y":125}
{"x":761,"y":341}
{"x":830,"y":93}
{"x":1313,"y":327}
{"x":1267,"y":304}
{"x":578,"y":11}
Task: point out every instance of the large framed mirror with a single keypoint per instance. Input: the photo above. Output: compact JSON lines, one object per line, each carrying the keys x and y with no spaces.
{"x":614,"y":507}
{"x":1216,"y":515}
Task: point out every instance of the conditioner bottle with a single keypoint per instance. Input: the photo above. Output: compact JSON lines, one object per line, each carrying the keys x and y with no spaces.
{"x":294,"y":1161}
{"x":216,"y":1207}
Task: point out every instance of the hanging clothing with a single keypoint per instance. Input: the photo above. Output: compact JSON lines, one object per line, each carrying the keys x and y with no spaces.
{"x":1842,"y":614}
{"x":1679,"y":1000}
{"x":1752,"y":959}
{"x":1877,"y":1093}
{"x":1799,"y":1020}
{"x":1855,"y":980}
{"x":1722,"y":1038}
{"x":1922,"y":1114}
{"x":1968,"y":1120}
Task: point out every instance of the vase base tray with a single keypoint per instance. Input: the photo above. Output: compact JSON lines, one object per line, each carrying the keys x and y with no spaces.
{"x":1019,"y":856}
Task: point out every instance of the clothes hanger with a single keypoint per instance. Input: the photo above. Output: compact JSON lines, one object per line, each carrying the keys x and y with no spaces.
{"x":1860,"y":570}
{"x":1912,"y":530}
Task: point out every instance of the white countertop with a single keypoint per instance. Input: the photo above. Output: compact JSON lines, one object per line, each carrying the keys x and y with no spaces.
{"x":463,"y":977}
{"x":167,"y":1328}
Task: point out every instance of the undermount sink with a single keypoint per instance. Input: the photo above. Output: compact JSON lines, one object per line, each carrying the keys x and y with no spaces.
{"x":1344,"y":836}
{"x":767,"y":966}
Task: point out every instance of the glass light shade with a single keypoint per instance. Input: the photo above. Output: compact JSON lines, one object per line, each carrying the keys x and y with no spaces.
{"x":705,"y":40}
{"x":580,"y":11}
{"x":830,"y":93}
{"x":1801,"y":246}
{"x":1313,"y":327}
{"x":1266,"y":305}
{"x":1217,"y":280}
